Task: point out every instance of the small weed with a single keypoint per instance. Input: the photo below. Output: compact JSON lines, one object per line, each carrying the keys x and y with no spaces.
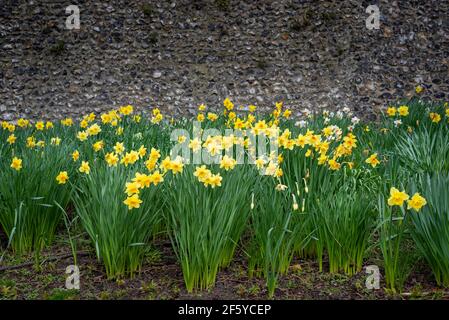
{"x":296,"y":268}
{"x":340,"y":51}
{"x":58,"y":47}
{"x":104,"y":295}
{"x":153,"y":256}
{"x":153,"y":38}
{"x":296,"y":25}
{"x":254,"y":290}
{"x":241,"y":290}
{"x":51,"y":266}
{"x":328,"y":16}
{"x":261,"y":64}
{"x":151,"y":296}
{"x":32,"y":295}
{"x":149,"y":287}
{"x":417,"y":292}
{"x":7,"y":289}
{"x":147,"y":9}
{"x":176,"y":290}
{"x":62,"y":294}
{"x":291,"y":284}
{"x":223,"y":5}
{"x":120,"y":293}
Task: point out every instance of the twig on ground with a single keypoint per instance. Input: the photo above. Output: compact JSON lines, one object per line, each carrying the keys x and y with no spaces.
{"x":47,"y":259}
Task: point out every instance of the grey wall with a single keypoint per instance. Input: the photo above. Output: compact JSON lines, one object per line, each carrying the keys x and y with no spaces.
{"x":315,"y":54}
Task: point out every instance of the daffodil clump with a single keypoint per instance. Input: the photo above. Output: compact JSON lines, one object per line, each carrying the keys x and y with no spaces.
{"x":35,"y":189}
{"x":393,"y":224}
{"x":321,"y":185}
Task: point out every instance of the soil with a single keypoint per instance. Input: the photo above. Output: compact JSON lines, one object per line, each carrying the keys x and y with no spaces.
{"x":161,"y":278}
